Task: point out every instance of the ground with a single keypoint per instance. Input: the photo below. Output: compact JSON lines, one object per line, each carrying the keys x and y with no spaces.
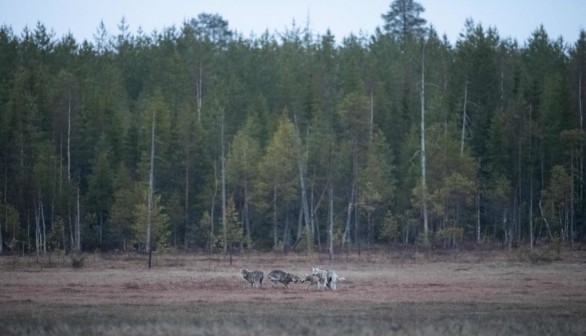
{"x":394,"y":293}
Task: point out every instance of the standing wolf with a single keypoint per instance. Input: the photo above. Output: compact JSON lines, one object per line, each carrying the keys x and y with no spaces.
{"x":329,"y":278}
{"x":282,"y":277}
{"x":254,"y":277}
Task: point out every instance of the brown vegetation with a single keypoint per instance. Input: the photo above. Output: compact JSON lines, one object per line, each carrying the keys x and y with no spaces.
{"x":469,"y":293}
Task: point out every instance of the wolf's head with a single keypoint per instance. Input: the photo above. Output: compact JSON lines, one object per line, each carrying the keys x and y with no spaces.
{"x":315,"y":270}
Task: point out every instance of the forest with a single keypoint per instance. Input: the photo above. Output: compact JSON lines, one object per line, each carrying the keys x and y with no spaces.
{"x":199,"y":138}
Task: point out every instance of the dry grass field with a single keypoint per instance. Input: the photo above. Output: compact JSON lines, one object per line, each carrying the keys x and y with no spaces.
{"x":401,"y":293}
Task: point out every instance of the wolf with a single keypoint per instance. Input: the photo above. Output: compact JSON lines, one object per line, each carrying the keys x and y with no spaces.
{"x":282,"y":277}
{"x":254,"y":277}
{"x":310,"y":279}
{"x":329,"y":278}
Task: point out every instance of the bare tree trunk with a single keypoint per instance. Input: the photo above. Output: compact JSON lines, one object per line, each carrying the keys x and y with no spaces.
{"x":356,"y":231}
{"x":71,"y":228}
{"x":299,"y":228}
{"x":37,"y":230}
{"x":28,"y":229}
{"x":346,"y":236}
{"x":464,"y":118}
{"x":580,"y":110}
{"x":423,"y":173}
{"x":223,"y":176}
{"x":331,"y":220}
{"x":571,"y":232}
{"x":275,"y":217}
{"x":531,"y":238}
{"x":313,"y":215}
{"x":5,"y":207}
{"x":69,"y":139}
{"x":5,"y":223}
{"x":78,"y":224}
{"x":301,"y":167}
{"x":531,"y":210}
{"x":371,"y":117}
{"x":478,"y":217}
{"x":186,"y":196}
{"x":151,"y":186}
{"x":580,"y":106}
{"x":247,"y":215}
{"x":545,"y":220}
{"x":286,"y":230}
{"x":213,"y":207}
{"x":44,"y":233}
{"x":198,"y":93}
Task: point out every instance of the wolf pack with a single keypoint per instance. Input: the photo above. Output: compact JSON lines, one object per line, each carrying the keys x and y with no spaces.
{"x":326,"y":279}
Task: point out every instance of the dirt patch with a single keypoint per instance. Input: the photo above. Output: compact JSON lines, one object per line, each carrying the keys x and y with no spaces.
{"x":192,"y":294}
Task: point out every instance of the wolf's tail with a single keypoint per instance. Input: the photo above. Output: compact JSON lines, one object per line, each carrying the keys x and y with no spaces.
{"x":341,"y":279}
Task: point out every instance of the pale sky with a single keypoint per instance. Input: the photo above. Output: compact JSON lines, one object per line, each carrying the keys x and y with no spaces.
{"x":512,"y":18}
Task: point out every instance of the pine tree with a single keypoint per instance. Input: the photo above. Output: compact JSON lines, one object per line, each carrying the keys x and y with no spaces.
{"x":403,"y":21}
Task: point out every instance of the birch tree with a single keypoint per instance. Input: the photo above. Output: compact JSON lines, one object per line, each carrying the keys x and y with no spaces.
{"x":422,"y":152}
{"x":278,"y":173}
{"x":242,"y":169}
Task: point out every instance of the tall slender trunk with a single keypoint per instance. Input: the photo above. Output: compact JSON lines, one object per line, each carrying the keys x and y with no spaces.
{"x":331,"y":220}
{"x":478,"y":217}
{"x":198,"y":93}
{"x":531,"y":210}
{"x":73,"y":246}
{"x":301,"y":168}
{"x":313,"y":215}
{"x":223,"y":176}
{"x":186,"y":197}
{"x":101,"y":233}
{"x":464,"y":118}
{"x":286,"y":230}
{"x":571,"y":232}
{"x":423,"y":173}
{"x":371,"y":130}
{"x":78,"y":224}
{"x":5,"y":208}
{"x":581,"y":157}
{"x":151,"y":186}
{"x":580,"y":103}
{"x":275,"y":241}
{"x":299,"y":228}
{"x":37,"y":229}
{"x":44,"y":233}
{"x":247,"y":215}
{"x":71,"y":228}
{"x":69,"y":139}
{"x":530,"y":179}
{"x":346,"y":236}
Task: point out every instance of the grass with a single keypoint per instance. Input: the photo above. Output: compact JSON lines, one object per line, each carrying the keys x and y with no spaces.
{"x":186,"y":294}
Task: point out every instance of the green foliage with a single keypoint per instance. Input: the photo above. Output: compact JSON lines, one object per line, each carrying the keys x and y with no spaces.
{"x":390,"y":227}
{"x":12,"y":234}
{"x":160,"y":229}
{"x":556,"y":199}
{"x":278,"y":167}
{"x":79,"y":115}
{"x":403,"y":21}
{"x":234,"y":229}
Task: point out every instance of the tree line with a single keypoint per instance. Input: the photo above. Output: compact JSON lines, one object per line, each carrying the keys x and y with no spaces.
{"x":290,"y":140}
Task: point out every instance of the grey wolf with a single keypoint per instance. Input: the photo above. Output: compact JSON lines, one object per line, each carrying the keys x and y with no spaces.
{"x":254,"y":277}
{"x":329,"y":278}
{"x":282,"y":277}
{"x":310,"y":279}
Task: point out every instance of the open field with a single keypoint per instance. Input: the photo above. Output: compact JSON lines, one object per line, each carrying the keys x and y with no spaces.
{"x":491,"y":293}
